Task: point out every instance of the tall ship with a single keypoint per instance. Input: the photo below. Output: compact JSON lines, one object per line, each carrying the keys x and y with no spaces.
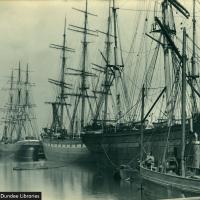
{"x":61,"y":140}
{"x":20,"y":138}
{"x":180,"y":171}
{"x":118,"y":141}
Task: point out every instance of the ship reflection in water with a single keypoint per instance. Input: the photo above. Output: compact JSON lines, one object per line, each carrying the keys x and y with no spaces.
{"x":60,"y":182}
{"x":56,"y":181}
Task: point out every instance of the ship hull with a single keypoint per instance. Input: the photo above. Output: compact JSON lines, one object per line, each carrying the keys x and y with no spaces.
{"x":67,"y":151}
{"x":25,"y":150}
{"x":182,"y":183}
{"x":115,"y":149}
{"x":110,"y":152}
{"x":29,"y":150}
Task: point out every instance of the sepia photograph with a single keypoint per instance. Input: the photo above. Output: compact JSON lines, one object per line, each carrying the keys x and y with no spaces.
{"x":99,"y":99}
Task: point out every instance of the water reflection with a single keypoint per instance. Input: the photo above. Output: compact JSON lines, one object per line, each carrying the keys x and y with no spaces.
{"x":56,"y":181}
{"x":69,"y":182}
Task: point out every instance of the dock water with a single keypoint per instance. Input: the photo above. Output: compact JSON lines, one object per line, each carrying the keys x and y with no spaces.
{"x":81,"y":182}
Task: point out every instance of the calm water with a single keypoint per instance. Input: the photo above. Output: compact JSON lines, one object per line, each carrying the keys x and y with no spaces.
{"x":68,"y":182}
{"x":72,"y":182}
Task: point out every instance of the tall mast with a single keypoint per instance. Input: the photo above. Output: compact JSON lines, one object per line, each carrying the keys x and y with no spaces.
{"x":106,"y":83}
{"x":26,"y":83}
{"x":183,"y":102}
{"x":142,"y":124}
{"x":193,"y":61}
{"x":18,"y":106}
{"x":8,"y":119}
{"x":11,"y":92}
{"x":82,"y":72}
{"x":166,"y":57}
{"x":58,"y":106}
{"x":118,"y":100}
{"x":26,"y":104}
{"x":19,"y":84}
{"x":62,"y":99}
{"x":83,"y":78}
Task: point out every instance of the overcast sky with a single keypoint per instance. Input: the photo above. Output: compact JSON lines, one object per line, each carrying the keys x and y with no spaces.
{"x":28,"y":27}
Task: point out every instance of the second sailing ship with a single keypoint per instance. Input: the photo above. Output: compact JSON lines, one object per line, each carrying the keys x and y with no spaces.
{"x":62,"y":143}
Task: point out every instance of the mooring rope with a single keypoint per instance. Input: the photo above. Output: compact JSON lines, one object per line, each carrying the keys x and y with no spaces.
{"x":112,"y":163}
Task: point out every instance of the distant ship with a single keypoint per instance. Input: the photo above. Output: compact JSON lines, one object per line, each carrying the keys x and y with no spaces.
{"x":20,"y":138}
{"x":61,"y":140}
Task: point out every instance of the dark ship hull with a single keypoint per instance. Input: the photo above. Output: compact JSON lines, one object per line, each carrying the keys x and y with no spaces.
{"x":29,"y":150}
{"x":123,"y":147}
{"x":66,"y":150}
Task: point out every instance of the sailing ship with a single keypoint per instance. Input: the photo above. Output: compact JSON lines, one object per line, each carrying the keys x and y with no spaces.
{"x":120,"y":143}
{"x":104,"y":136}
{"x":20,"y":138}
{"x":180,"y":171}
{"x":62,"y":141}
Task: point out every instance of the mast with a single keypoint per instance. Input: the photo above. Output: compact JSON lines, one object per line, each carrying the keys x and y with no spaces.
{"x":8,"y":119}
{"x":27,"y":108}
{"x":18,"y":106}
{"x":106,"y":83}
{"x":59,"y":104}
{"x":183,"y":102}
{"x":142,"y":124}
{"x":193,"y":62}
{"x":83,"y":78}
{"x":11,"y":91}
{"x":26,"y":105}
{"x":19,"y":82}
{"x":118,"y":100}
{"x":62,"y":99}
{"x":26,"y":83}
{"x":10,"y":115}
{"x":83,"y":95}
{"x":166,"y":57}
